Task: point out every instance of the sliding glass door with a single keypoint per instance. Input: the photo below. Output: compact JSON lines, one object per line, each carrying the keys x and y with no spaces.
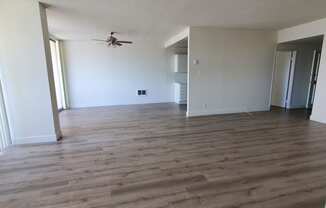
{"x":57,"y":74}
{"x":4,"y":128}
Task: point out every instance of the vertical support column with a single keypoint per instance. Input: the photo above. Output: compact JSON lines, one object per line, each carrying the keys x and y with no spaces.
{"x":46,"y":40}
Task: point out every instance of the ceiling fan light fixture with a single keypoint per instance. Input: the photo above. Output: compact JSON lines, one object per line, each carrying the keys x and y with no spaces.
{"x":113,"y":41}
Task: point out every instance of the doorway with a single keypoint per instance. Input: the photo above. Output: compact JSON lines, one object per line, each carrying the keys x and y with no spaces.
{"x":283,"y":78}
{"x":179,"y":68}
{"x":295,"y":75}
{"x":58,"y":75}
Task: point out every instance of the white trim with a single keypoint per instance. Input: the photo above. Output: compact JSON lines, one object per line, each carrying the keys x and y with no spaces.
{"x":311,"y":76}
{"x":318,"y":118}
{"x":273,"y":75}
{"x":180,"y":36}
{"x":208,"y":112}
{"x":188,"y":72}
{"x":291,"y":78}
{"x":35,"y":139}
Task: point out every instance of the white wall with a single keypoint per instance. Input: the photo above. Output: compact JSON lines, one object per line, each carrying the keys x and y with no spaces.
{"x":234,"y":72}
{"x":102,"y":76}
{"x":25,"y":72}
{"x":305,"y":31}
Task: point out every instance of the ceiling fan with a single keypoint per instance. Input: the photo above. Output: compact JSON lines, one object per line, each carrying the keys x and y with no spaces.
{"x":113,"y":41}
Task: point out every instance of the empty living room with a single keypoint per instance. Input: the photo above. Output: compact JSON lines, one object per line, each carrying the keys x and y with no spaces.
{"x":162,"y":104}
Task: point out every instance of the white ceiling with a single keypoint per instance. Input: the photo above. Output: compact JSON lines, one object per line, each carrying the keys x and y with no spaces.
{"x":159,"y":19}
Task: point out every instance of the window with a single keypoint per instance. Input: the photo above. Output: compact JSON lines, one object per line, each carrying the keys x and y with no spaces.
{"x":4,"y":128}
{"x":57,"y":74}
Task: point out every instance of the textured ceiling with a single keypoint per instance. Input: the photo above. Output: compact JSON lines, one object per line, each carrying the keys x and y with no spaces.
{"x":159,"y":19}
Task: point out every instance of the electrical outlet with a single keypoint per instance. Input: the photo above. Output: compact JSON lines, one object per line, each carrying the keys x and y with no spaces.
{"x":141,"y":92}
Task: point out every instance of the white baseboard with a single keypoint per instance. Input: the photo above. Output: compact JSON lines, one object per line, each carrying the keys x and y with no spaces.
{"x":208,"y":112}
{"x":35,"y":140}
{"x":72,"y":107}
{"x":318,"y":119}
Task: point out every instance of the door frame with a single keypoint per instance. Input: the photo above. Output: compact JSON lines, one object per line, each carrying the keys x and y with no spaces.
{"x":290,"y":81}
{"x":313,"y":74}
{"x":288,"y":99}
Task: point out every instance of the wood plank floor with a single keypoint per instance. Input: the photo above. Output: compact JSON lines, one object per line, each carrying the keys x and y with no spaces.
{"x":152,"y":156}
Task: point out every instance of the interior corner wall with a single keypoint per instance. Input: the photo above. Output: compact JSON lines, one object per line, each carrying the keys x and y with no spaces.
{"x":25,"y":73}
{"x":98,"y":75}
{"x":308,"y":30}
{"x":234,"y":70}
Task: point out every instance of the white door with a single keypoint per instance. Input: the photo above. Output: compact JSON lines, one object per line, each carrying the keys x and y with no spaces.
{"x":283,"y":78}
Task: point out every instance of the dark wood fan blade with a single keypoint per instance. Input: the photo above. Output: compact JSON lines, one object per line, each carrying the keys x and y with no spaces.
{"x":99,"y":40}
{"x":127,"y":42}
{"x":118,"y":44}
